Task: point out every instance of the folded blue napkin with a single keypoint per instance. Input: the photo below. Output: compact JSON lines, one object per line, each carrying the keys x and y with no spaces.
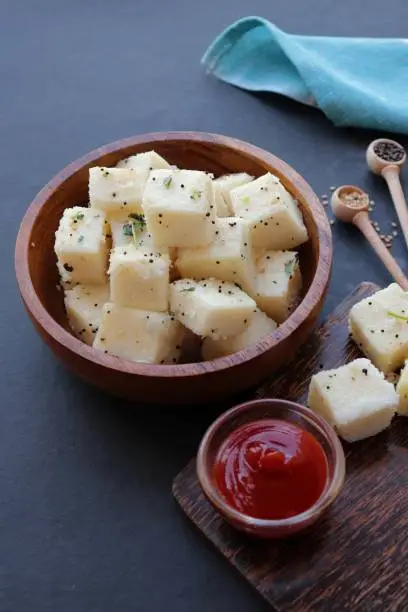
{"x":360,"y":82}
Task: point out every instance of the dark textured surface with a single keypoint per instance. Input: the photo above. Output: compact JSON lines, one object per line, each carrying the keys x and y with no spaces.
{"x":87,"y":519}
{"x":352,"y":558}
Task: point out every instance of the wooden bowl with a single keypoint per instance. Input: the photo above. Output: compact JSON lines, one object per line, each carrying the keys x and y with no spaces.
{"x":37,"y":276}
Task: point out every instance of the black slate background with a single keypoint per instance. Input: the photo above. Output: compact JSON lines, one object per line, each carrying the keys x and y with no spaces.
{"x":87,"y":521}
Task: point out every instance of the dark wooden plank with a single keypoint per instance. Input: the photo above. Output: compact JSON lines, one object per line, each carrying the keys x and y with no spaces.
{"x":355,"y":561}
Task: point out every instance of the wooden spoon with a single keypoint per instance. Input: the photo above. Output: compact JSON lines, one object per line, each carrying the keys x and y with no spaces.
{"x":390,"y":171}
{"x":354,"y":211}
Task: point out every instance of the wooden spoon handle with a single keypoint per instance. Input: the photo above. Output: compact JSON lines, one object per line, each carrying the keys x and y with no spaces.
{"x":391,"y":175}
{"x":362,"y":221}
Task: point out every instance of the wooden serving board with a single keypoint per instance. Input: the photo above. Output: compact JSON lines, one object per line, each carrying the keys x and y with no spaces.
{"x":356,"y":560}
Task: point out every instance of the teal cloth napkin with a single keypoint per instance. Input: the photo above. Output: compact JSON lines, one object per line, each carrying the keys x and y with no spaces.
{"x":361,"y":82}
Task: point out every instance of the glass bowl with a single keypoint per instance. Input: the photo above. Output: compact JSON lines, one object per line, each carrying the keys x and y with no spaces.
{"x":270,"y":409}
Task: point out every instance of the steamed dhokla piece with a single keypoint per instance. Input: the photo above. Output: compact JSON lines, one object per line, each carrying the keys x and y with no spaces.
{"x":128,"y":229}
{"x":278,"y":283}
{"x":274,"y":218}
{"x":138,"y":335}
{"x":139,"y":278}
{"x":144,"y":161}
{"x":222,"y":187}
{"x":131,"y":229}
{"x":179,"y":208}
{"x":84,"y":304}
{"x":229,"y":257}
{"x":81,"y":246}
{"x":116,"y":190}
{"x":259,"y":327}
{"x":379,"y":325}
{"x":402,"y":390}
{"x":355,"y":399}
{"x":211,"y":307}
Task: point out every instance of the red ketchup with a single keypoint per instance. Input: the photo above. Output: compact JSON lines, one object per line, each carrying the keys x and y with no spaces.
{"x":271,"y":469}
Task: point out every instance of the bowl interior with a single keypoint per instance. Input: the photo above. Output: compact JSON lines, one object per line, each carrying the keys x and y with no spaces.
{"x":218,"y":155}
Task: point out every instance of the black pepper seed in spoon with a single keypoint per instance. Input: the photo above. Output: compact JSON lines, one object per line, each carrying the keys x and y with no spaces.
{"x":389,"y":151}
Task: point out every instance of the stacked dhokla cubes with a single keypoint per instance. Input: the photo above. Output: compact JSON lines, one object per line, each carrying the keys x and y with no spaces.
{"x":162,"y":253}
{"x":356,"y":398}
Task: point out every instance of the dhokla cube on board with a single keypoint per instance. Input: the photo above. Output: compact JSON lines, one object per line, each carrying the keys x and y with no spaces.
{"x":229,"y":257}
{"x":222,"y":187}
{"x":211,"y":307}
{"x":84,"y":304}
{"x":278,"y":283}
{"x":138,"y":335}
{"x":139,"y":278}
{"x":259,"y":326}
{"x":402,"y":390}
{"x":275,"y":220}
{"x":116,"y":190}
{"x":355,"y":399}
{"x":379,"y":325}
{"x":179,"y":208}
{"x":150,"y":160}
{"x":81,"y":245}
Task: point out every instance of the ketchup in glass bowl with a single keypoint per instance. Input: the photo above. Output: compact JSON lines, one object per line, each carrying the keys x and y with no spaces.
{"x":270,"y":467}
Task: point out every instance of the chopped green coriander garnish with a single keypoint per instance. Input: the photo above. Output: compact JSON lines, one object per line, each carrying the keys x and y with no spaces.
{"x":137,"y":217}
{"x":187,"y":289}
{"x":136,"y":225}
{"x":78,"y":216}
{"x":246,"y":199}
{"x":196,"y":195}
{"x":127,"y":229}
{"x":80,"y":238}
{"x":167,"y":182}
{"x":390,"y":313}
{"x":290,"y":266}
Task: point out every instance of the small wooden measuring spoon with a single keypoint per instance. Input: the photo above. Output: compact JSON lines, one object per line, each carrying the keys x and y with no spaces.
{"x":350,"y":204}
{"x":390,"y":169}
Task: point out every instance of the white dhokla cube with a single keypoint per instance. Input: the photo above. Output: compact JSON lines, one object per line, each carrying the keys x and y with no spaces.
{"x":275,"y":220}
{"x":402,"y":390}
{"x":144,"y":161}
{"x":211,"y":308}
{"x":124,"y":231}
{"x":278,"y":283}
{"x":222,"y":187}
{"x":139,"y":335}
{"x":259,"y":327}
{"x":179,"y":208}
{"x":117,"y":190}
{"x":129,"y":229}
{"x":84,"y":304}
{"x":139,"y":278}
{"x":229,"y":257}
{"x":379,"y":325}
{"x":355,"y":399}
{"x":81,"y":246}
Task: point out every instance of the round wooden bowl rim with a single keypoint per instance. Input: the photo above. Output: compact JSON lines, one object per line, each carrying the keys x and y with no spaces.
{"x":313,"y":296}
